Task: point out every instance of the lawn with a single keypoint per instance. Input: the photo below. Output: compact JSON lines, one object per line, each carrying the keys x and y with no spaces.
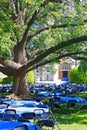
{"x":76,"y":120}
{"x":73,"y":121}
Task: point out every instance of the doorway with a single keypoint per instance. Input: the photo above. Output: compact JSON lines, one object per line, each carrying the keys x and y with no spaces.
{"x":65,"y":74}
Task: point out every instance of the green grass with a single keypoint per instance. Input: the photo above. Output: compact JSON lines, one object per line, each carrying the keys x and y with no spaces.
{"x":71,"y":121}
{"x":75,"y":121}
{"x":82,"y":94}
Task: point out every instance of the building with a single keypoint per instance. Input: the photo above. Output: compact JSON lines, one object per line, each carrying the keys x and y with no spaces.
{"x":60,"y":73}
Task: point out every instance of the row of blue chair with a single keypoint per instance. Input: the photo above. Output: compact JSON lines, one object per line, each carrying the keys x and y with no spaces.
{"x":10,"y":115}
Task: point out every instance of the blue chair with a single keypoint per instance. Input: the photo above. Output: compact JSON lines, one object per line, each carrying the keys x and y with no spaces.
{"x":29,"y":105}
{"x":71,"y":105}
{"x":3,"y":105}
{"x":27,"y":116}
{"x":39,"y":113}
{"x":42,"y":106}
{"x":9,"y":114}
{"x":49,"y":123}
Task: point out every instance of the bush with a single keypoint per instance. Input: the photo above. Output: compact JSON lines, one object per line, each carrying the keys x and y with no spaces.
{"x":76,"y":76}
{"x":8,"y":79}
{"x":30,"y":77}
{"x":1,"y":80}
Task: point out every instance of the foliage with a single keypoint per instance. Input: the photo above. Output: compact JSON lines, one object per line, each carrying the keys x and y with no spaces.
{"x":83,"y":67}
{"x":1,"y":80}
{"x":6,"y":45}
{"x":8,"y":79}
{"x":77,"y":76}
{"x":6,"y":30}
{"x":54,"y":13}
{"x":30,"y":77}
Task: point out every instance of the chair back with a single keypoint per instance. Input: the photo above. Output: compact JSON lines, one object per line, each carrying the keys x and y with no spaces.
{"x":21,"y":127}
{"x":9,"y":114}
{"x":3,"y":105}
{"x":28,"y":115}
{"x":29,"y":105}
{"x":71,"y":104}
{"x":38,"y":111}
{"x":50,"y":123}
{"x":40,"y":114}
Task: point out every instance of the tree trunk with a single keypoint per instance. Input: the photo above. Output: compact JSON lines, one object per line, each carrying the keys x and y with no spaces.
{"x":20,"y":84}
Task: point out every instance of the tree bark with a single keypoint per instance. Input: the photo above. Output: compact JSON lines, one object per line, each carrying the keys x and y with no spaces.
{"x":20,"y":86}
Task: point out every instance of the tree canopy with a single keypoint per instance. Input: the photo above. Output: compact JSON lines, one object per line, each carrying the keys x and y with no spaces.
{"x":34,"y":33}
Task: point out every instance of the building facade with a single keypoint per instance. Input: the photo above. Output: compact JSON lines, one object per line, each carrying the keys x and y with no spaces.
{"x":61,"y":71}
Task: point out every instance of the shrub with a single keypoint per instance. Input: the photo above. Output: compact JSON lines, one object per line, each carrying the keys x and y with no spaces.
{"x":8,"y":79}
{"x":1,"y":80}
{"x":76,"y":76}
{"x":30,"y":77}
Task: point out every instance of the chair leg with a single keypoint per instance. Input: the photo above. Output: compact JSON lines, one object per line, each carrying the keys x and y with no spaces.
{"x":58,"y":126}
{"x":52,"y":128}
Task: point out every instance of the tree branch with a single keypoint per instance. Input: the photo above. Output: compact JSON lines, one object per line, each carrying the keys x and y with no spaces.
{"x":9,"y":63}
{"x":6,"y":70}
{"x":53,"y":27}
{"x":79,"y":58}
{"x":60,"y":56}
{"x":28,"y":26}
{"x":34,"y":53}
{"x":70,"y":54}
{"x":31,"y":21}
{"x":13,"y":5}
{"x":16,"y":6}
{"x":51,"y":50}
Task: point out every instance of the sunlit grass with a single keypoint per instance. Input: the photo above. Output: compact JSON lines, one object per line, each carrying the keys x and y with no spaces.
{"x":71,"y":121}
{"x":82,"y":94}
{"x":75,"y":121}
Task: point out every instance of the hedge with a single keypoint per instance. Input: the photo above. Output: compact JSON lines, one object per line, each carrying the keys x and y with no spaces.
{"x":30,"y":77}
{"x":77,"y":77}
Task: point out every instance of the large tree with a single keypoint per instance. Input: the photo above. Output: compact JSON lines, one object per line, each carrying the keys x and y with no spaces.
{"x":36,"y":32}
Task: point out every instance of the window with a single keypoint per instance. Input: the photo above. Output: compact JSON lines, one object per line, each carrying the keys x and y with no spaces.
{"x":65,"y":67}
